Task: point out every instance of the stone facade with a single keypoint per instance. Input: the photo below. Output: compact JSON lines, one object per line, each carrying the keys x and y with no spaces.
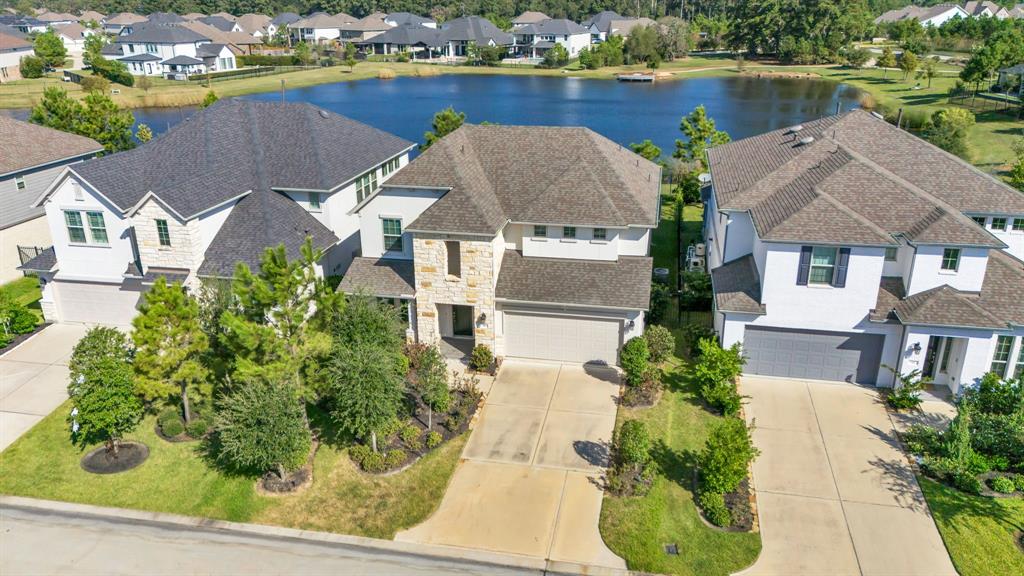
{"x":185,"y":250}
{"x":473,"y":287}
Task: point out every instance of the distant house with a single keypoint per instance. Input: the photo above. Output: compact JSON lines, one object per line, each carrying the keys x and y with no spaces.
{"x":24,"y":24}
{"x":451,"y":40}
{"x":986,"y":9}
{"x":238,"y":42}
{"x":529,"y":17}
{"x":221,"y":23}
{"x":164,"y":18}
{"x":31,"y":156}
{"x":927,"y":16}
{"x":364,"y":28}
{"x":600,"y":24}
{"x":53,"y":18}
{"x":254,"y":24}
{"x":625,"y":26}
{"x":281,"y":21}
{"x":146,"y":49}
{"x":407,"y":18}
{"x":92,"y":16}
{"x":533,"y":40}
{"x":319,"y":27}
{"x":1016,"y":12}
{"x":116,"y":23}
{"x":461,"y":32}
{"x":13,"y":47}
{"x":211,"y":192}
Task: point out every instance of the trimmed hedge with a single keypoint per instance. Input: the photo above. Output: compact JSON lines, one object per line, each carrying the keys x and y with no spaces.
{"x":267,"y":60}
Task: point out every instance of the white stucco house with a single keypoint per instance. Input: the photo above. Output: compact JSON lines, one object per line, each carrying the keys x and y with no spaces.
{"x":546,"y":263}
{"x":159,"y":49}
{"x":846,"y":244}
{"x":13,"y":47}
{"x":214,"y":191}
{"x":319,"y":27}
{"x":933,"y":16}
{"x":534,"y":39}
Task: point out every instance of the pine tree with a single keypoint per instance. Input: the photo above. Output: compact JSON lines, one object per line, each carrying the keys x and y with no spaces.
{"x":445,"y":122}
{"x":143,"y":133}
{"x":169,"y":343}
{"x":700,"y":133}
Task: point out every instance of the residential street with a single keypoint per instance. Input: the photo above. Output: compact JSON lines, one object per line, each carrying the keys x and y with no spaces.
{"x":41,"y":543}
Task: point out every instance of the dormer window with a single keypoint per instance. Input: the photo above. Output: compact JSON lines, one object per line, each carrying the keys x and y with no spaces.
{"x":891,"y":253}
{"x":540,"y":231}
{"x":569,"y":232}
{"x":999,"y":224}
{"x":951,"y":259}
{"x":314,"y":201}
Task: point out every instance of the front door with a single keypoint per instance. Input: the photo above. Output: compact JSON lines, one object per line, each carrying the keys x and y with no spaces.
{"x":462,"y":320}
{"x":931,"y":357}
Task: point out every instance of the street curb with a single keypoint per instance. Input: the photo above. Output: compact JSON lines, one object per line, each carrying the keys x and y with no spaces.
{"x":443,"y":553}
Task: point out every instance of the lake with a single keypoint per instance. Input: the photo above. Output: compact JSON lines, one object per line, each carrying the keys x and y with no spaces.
{"x":623,"y":112}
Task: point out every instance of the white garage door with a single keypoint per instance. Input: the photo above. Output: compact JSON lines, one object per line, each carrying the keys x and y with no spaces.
{"x":564,"y":338}
{"x":108,"y":304}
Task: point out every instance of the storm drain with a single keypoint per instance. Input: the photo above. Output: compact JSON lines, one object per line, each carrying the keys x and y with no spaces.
{"x":672,"y":549}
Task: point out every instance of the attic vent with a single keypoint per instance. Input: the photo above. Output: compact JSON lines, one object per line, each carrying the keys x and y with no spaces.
{"x":323,"y":113}
{"x":795,"y":129}
{"x":806,"y":140}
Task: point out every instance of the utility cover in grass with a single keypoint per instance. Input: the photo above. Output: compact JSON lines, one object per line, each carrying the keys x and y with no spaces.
{"x":102,"y":461}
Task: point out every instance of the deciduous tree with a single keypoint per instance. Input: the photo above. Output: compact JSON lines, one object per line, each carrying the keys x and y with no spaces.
{"x":50,"y":48}
{"x":364,"y":384}
{"x":102,"y":391}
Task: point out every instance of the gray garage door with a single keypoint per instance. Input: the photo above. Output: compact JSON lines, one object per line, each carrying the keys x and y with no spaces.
{"x":563,"y":338}
{"x":815,"y":355}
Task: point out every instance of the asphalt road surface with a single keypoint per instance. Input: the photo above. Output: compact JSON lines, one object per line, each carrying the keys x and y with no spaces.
{"x":42,"y":542}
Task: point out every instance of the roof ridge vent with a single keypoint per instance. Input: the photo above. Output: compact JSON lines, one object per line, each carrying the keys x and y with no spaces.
{"x":806,"y":140}
{"x":323,"y":113}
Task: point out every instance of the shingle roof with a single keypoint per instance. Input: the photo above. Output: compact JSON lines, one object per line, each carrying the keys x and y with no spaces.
{"x":140,"y":57}
{"x":1001,"y":294}
{"x":285,"y":18}
{"x":559,"y":27}
{"x":45,"y":261}
{"x":945,"y":306}
{"x":380,"y":277}
{"x":125,"y":18}
{"x":408,"y":35}
{"x":161,"y":34}
{"x":182,"y":60}
{"x":529,"y":17}
{"x":164,"y":18}
{"x":475,"y":29}
{"x":322,"y":21}
{"x":74,"y":30}
{"x":10,"y":42}
{"x":371,"y":23}
{"x":253,"y":23}
{"x":625,"y":283}
{"x":402,"y":18}
{"x":603,"y":20}
{"x":737,"y":286}
{"x":856,"y":179}
{"x":235,"y":146}
{"x":24,"y":145}
{"x":890,"y":292}
{"x":222,"y":24}
{"x":209,"y":50}
{"x":497,"y":174}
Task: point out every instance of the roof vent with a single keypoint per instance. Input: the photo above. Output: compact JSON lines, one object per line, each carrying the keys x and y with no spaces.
{"x":806,"y":140}
{"x":323,"y":113}
{"x":795,"y":129}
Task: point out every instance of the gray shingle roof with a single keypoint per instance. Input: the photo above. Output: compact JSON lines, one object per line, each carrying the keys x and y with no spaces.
{"x":408,"y":35}
{"x":496,"y":174}
{"x":182,"y":60}
{"x":603,"y":20}
{"x":625,"y":283}
{"x":380,"y":277}
{"x":285,"y":18}
{"x":161,"y":34}
{"x":475,"y":29}
{"x":24,"y":145}
{"x":945,"y":306}
{"x":555,"y":26}
{"x":737,"y":286}
{"x":45,"y":261}
{"x":858,"y":181}
{"x":236,"y":146}
{"x":402,"y":18}
{"x":222,"y":24}
{"x":140,"y":57}
{"x":209,"y":50}
{"x":890,"y":292}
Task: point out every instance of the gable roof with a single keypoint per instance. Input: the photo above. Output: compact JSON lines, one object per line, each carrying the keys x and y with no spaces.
{"x":124,"y":19}
{"x":856,"y":179}
{"x":320,"y":20}
{"x":408,"y":35}
{"x":530,"y":17}
{"x":218,"y":22}
{"x":475,"y":29}
{"x":11,"y":41}
{"x":402,"y":18}
{"x":74,"y":30}
{"x":253,"y":23}
{"x":285,"y":18}
{"x":162,"y":34}
{"x":919,"y":13}
{"x":24,"y":145}
{"x":560,"y":26}
{"x":164,"y":18}
{"x":602,"y":20}
{"x":93,"y":15}
{"x":737,"y":286}
{"x":371,"y":23}
{"x":495,"y":174}
{"x":237,"y":146}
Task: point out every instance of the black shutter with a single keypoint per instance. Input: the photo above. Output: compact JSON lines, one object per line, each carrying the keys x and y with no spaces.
{"x":841,"y":266}
{"x":805,"y":266}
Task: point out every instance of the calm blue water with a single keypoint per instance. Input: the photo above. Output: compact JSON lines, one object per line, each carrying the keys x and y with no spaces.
{"x":623,"y":112}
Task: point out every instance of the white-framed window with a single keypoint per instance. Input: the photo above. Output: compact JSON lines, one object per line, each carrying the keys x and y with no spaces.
{"x":1001,"y":356}
{"x":980,"y":220}
{"x":19,"y":182}
{"x":1019,"y":370}
{"x":823,"y":265}
{"x":389,"y":166}
{"x":366,"y":185}
{"x":392,"y":228}
{"x":951,"y":259}
{"x":600,"y":234}
{"x":891,"y":253}
{"x":999,"y":223}
{"x":314,"y":201}
{"x":163,"y":233}
{"x":568,"y":232}
{"x":151,"y":48}
{"x":76,"y":224}
{"x":540,"y":231}
{"x":1018,"y":224}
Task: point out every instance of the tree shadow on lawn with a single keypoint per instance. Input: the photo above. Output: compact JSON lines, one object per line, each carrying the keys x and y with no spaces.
{"x":955,"y":507}
{"x":679,"y":467}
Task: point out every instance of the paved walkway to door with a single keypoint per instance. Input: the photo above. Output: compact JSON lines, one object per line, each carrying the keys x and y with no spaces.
{"x":34,"y":379}
{"x":834,"y":490}
{"x":528,"y":480}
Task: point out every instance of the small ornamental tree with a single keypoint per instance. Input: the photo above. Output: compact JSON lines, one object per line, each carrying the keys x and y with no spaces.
{"x":908,"y":63}
{"x":350,"y":56}
{"x":303,"y":52}
{"x":98,"y":343}
{"x":727,"y":453}
{"x":32,"y":67}
{"x":886,"y":60}
{"x":209,"y":100}
{"x":364,"y":385}
{"x":430,"y":380}
{"x":50,"y":48}
{"x":143,"y":133}
{"x":714,"y":373}
{"x":948,"y":130}
{"x":105,"y":406}
{"x":556,"y":57}
{"x":634,"y":359}
{"x":445,"y":122}
{"x":660,"y":343}
{"x":262,"y":426}
{"x":169,"y":344}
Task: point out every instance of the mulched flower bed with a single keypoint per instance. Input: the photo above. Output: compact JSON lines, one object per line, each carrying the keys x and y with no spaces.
{"x":102,"y":461}
{"x":402,"y":447}
{"x":644,"y":395}
{"x":986,"y":486}
{"x":738,"y":503}
{"x":270,"y":484}
{"x":22,"y":337}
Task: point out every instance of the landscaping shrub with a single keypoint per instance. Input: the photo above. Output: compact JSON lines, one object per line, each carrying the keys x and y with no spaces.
{"x":634,"y":360}
{"x":374,"y":462}
{"x":1018,"y":481}
{"x":95,"y":84}
{"x":660,"y":343}
{"x":660,"y":300}
{"x":434,"y":440}
{"x":268,"y":60}
{"x":198,"y":427}
{"x":410,"y":436}
{"x":693,"y":334}
{"x":1003,"y":485}
{"x":172,"y":427}
{"x":993,"y":395}
{"x":481,"y":358}
{"x":713,"y":506}
{"x":32,"y":67}
{"x":645,"y":394}
{"x":634,"y":443}
{"x":359,"y":452}
{"x":394,"y":459}
{"x":715,"y":372}
{"x":907,"y":393}
{"x":630,"y":472}
{"x":921,"y":439}
{"x":402,"y":57}
{"x":727,"y":453}
{"x":15,"y":318}
{"x":1000,"y":436}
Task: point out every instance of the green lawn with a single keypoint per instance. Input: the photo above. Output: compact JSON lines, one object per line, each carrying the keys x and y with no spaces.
{"x":979,"y":532}
{"x":26,"y":291}
{"x":638,"y":528}
{"x":176,"y":478}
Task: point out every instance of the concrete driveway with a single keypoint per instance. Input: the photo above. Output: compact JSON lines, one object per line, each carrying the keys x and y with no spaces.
{"x":34,"y":379}
{"x":835,"y":492}
{"x":528,"y":483}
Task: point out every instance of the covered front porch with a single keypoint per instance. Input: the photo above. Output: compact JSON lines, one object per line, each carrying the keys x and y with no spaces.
{"x":951,"y":358}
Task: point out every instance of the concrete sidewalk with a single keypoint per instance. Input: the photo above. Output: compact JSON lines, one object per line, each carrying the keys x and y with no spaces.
{"x":835,"y":492}
{"x":34,"y":379}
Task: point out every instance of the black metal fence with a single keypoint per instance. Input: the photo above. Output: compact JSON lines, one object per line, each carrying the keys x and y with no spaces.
{"x":26,"y":253}
{"x":979,"y":102}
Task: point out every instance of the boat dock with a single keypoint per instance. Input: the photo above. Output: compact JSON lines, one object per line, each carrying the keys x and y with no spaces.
{"x":635,"y":77}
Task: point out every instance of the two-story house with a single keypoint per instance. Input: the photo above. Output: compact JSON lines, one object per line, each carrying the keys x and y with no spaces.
{"x":155,"y":49}
{"x":845,"y":244}
{"x":484,"y":241}
{"x":31,"y":156}
{"x":533,"y":40}
{"x":215,"y":190}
